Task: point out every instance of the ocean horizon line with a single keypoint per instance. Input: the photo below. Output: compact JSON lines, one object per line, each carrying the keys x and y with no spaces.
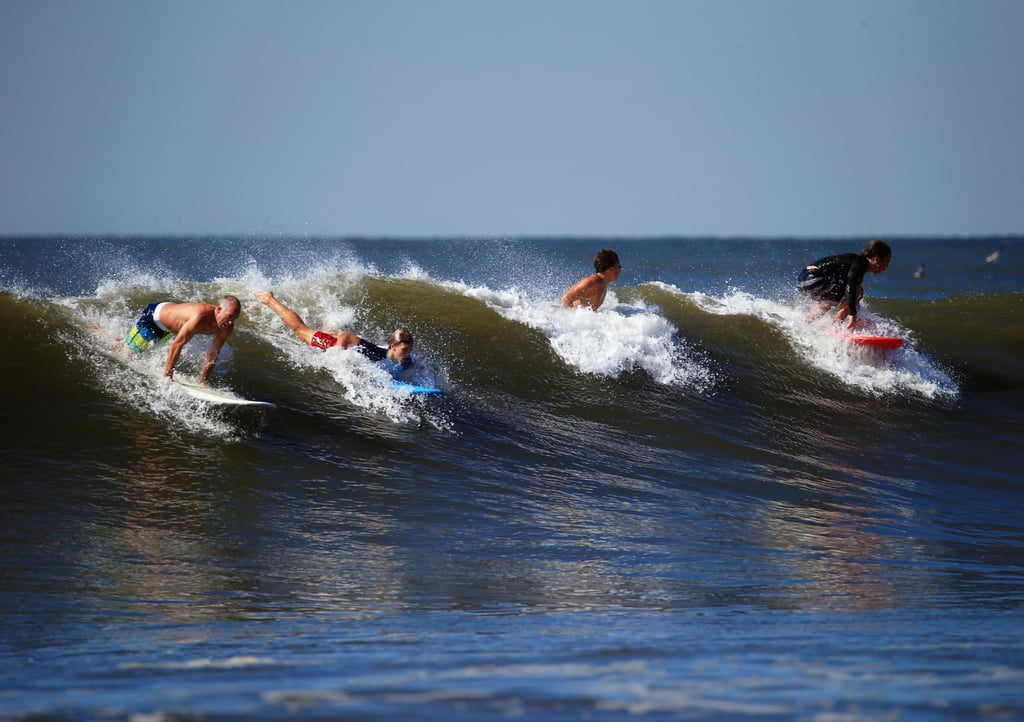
{"x":506,"y":237}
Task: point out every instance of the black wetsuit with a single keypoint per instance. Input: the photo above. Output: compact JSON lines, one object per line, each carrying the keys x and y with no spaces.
{"x":379,"y":354}
{"x":833,"y":277}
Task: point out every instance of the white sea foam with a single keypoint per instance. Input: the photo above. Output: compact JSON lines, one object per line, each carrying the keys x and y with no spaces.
{"x":615,"y":339}
{"x":236,"y":662}
{"x":821,"y":343}
{"x":138,"y":379}
{"x":361,"y":382}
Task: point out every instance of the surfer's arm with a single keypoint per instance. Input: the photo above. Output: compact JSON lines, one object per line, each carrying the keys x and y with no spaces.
{"x":568,"y":300}
{"x":211,"y":358}
{"x":582,"y":293}
{"x":177,"y":343}
{"x":854,"y":279}
{"x":188,"y":330}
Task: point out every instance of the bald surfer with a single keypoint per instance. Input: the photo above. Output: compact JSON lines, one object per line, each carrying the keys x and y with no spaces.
{"x":183,"y":321}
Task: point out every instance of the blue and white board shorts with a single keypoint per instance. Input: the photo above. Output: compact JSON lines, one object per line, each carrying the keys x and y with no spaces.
{"x":147,"y":331}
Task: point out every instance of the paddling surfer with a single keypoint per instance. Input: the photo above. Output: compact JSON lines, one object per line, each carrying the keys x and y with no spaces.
{"x":397,"y":357}
{"x":183,"y":321}
{"x":838,"y":280}
{"x":590,"y":291}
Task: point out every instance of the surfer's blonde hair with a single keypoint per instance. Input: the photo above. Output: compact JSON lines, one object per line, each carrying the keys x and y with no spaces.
{"x":400,"y":336}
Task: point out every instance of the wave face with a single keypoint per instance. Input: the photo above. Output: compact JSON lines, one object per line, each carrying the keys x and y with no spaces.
{"x":598,"y":493}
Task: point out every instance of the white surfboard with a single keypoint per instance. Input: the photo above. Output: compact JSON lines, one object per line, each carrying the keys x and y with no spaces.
{"x":221,"y":398}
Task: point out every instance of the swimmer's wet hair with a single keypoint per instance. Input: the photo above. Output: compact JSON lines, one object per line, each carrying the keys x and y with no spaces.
{"x":605,"y":259}
{"x":877,"y":249}
{"x":400,"y":336}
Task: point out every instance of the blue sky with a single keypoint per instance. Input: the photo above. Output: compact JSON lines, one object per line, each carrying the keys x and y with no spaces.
{"x":527,"y":117}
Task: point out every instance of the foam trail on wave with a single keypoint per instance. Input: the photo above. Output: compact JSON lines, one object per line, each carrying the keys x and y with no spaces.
{"x":137,"y":379}
{"x":821,"y":344}
{"x":616,"y":339}
{"x":363,"y":383}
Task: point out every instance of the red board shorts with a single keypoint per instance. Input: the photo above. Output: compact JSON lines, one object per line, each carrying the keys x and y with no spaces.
{"x":323,"y":341}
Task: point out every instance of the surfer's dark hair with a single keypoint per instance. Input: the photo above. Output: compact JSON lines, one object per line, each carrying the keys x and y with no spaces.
{"x":877,"y":249}
{"x":605,"y":259}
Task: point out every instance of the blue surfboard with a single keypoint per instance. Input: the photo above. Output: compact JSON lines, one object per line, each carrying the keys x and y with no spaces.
{"x":414,"y":389}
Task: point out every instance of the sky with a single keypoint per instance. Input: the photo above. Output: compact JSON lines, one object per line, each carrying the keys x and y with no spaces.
{"x":488,"y":118}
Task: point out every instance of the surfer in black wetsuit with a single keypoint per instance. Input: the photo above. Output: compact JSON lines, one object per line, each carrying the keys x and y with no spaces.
{"x":395,"y":358}
{"x":838,"y":279}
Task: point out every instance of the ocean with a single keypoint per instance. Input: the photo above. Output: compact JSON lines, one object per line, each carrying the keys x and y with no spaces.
{"x":692,"y":504}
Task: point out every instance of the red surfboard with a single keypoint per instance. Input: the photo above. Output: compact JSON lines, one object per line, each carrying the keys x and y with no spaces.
{"x":889,"y":342}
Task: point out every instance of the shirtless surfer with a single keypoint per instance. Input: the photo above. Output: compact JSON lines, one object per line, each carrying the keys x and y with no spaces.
{"x":396,"y":357}
{"x":185,"y":320}
{"x":837,"y":280}
{"x":590,"y":291}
